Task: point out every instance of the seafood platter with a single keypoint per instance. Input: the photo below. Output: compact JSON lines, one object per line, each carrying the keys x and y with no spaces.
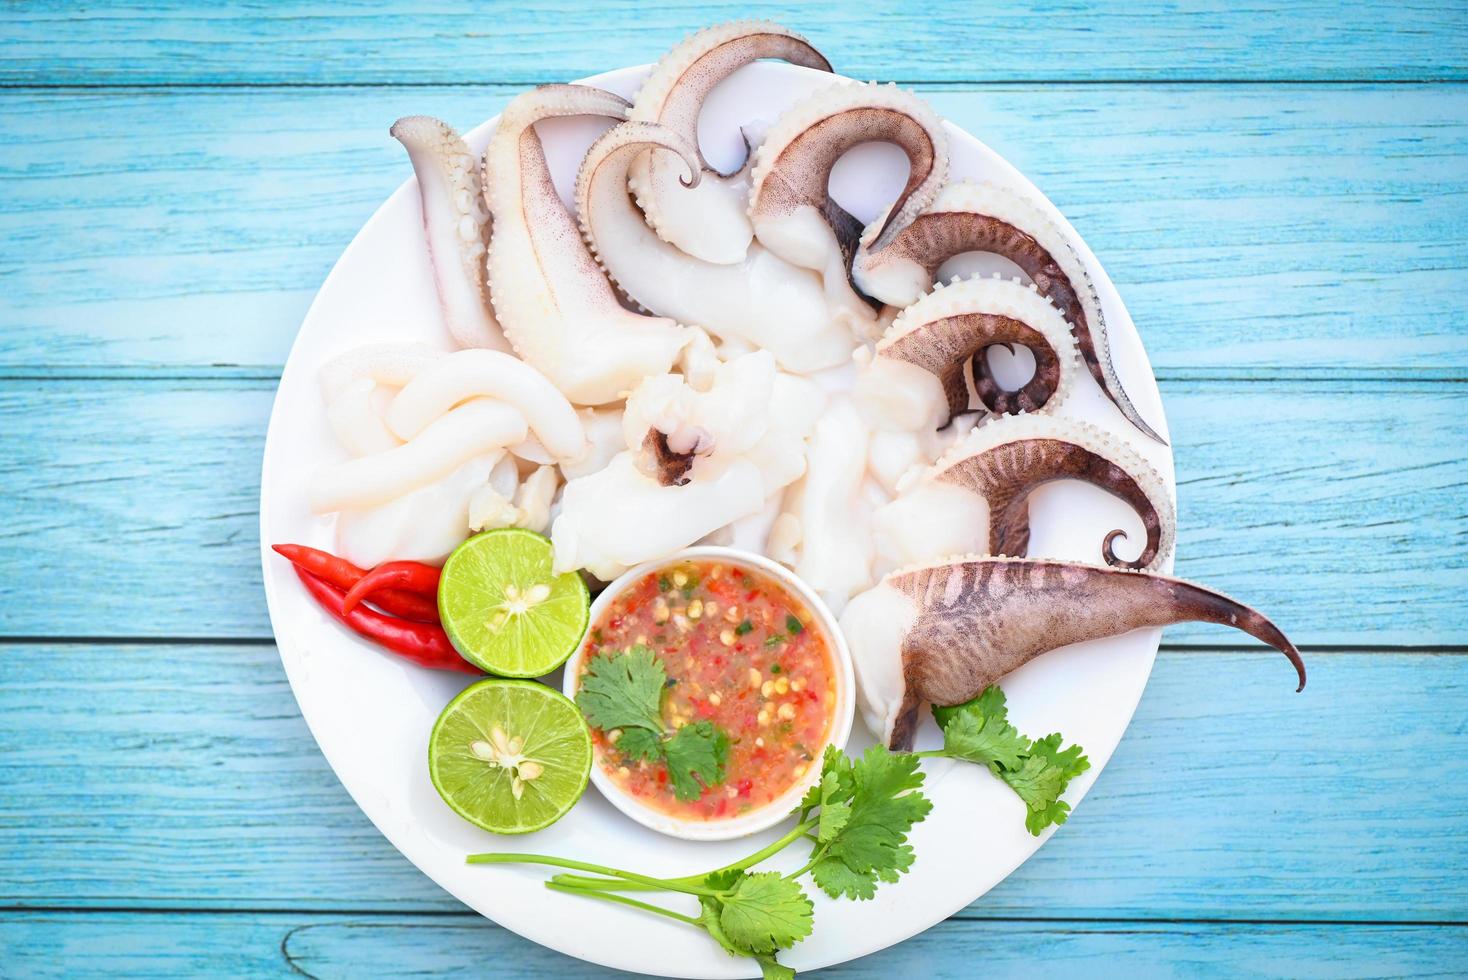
{"x":717,"y":516}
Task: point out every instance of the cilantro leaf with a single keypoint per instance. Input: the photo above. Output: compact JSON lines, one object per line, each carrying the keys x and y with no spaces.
{"x":834,"y":816}
{"x":979,"y":731}
{"x":765,"y":912}
{"x":640,"y":744}
{"x":989,"y":702}
{"x":708,"y":917}
{"x":696,"y":752}
{"x":1036,"y":781}
{"x":871,"y":842}
{"x":834,"y":877}
{"x":985,"y":738}
{"x":623,"y":691}
{"x":1070,"y":762}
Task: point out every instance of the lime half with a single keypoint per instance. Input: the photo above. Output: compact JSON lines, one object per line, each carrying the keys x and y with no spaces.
{"x":510,"y":756}
{"x":503,"y":608}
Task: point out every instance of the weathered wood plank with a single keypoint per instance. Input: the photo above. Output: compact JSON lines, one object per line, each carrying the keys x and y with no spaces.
{"x":182,"y":777}
{"x":181,"y":42}
{"x":1323,"y":502}
{"x":326,"y":946}
{"x":1263,"y":228}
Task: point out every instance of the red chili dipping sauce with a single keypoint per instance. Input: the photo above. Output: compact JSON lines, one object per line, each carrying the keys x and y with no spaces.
{"x":740,"y":651}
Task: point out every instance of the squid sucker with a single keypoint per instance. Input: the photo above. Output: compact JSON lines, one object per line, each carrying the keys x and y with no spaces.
{"x":967,"y":217}
{"x":939,"y":634}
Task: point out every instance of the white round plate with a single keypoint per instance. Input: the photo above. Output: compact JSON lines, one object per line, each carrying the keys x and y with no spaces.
{"x":371,"y":714}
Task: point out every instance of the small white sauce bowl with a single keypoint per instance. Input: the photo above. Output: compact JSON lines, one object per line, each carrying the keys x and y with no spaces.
{"x":841,"y":717}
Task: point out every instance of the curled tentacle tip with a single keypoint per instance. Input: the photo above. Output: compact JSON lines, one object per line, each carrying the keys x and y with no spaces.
{"x":1108,"y":551}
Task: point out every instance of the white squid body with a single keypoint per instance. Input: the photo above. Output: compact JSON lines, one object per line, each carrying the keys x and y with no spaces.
{"x":751,"y":424}
{"x":620,"y":516}
{"x":761,"y":300}
{"x":603,"y":428}
{"x":474,"y":428}
{"x":928,"y":521}
{"x":828,"y":512}
{"x":422,"y":525}
{"x":724,"y":422}
{"x":506,"y":502}
{"x":875,"y":623}
{"x":474,"y":373}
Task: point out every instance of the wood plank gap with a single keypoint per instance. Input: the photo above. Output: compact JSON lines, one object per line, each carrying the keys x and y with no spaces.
{"x":964,"y":915}
{"x":1180,"y":375}
{"x":265,"y":641}
{"x":948,"y":84}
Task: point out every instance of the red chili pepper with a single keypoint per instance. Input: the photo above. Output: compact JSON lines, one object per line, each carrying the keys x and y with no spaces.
{"x":407,"y":576}
{"x":425,"y":644}
{"x":344,"y":575}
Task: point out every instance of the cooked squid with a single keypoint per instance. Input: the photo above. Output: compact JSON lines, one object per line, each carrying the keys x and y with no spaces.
{"x":473,"y":373}
{"x":790,"y":203}
{"x":620,"y":516}
{"x":898,"y":262}
{"x":554,"y":303}
{"x":707,"y":220}
{"x":473,"y":429}
{"x":422,"y":525}
{"x":456,"y":224}
{"x":976,"y":498}
{"x":761,"y":300}
{"x":941,"y":633}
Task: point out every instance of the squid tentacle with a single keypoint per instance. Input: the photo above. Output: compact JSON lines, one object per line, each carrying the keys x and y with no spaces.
{"x":953,"y":326}
{"x":941,"y":633}
{"x":554,"y":302}
{"x":790,"y":204}
{"x":456,"y":226}
{"x":967,"y":217}
{"x":709,"y":223}
{"x":1005,"y":462}
{"x":762,"y":301}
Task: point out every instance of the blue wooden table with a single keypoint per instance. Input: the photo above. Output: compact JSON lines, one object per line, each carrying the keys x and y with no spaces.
{"x":1280,"y":190}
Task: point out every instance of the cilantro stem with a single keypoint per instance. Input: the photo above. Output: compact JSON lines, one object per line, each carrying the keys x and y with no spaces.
{"x":658,"y":884}
{"x":554,"y":885}
{"x":626,"y":884}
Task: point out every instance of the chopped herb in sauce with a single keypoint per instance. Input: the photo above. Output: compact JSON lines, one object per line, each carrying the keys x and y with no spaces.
{"x":723,"y":685}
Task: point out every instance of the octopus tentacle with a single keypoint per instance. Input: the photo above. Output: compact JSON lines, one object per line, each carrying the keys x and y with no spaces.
{"x":708,"y":221}
{"x":940,"y":634}
{"x":1005,"y":462}
{"x":967,"y":217}
{"x":762,"y":300}
{"x":555,"y":304}
{"x":953,"y":326}
{"x":456,"y":224}
{"x":790,"y":205}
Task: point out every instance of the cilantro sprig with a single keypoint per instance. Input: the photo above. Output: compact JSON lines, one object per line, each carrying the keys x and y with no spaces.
{"x":857,"y":816}
{"x":979,"y":731}
{"x":624,"y":692}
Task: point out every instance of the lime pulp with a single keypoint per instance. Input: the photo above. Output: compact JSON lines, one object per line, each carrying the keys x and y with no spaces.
{"x":510,"y":756}
{"x":503,"y":608}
